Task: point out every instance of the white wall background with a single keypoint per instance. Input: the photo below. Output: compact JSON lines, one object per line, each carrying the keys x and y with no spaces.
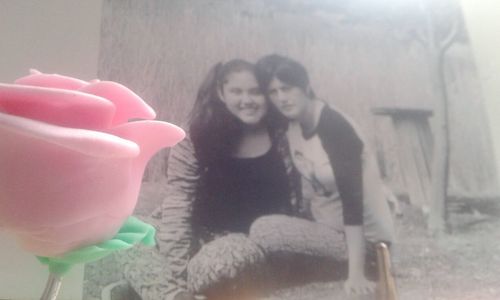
{"x":483,"y":23}
{"x":53,"y":36}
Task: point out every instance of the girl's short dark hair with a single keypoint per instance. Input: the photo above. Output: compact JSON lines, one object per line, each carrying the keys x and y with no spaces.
{"x":285,"y":69}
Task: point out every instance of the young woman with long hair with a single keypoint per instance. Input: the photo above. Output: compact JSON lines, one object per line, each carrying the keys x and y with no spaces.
{"x":231,"y":169}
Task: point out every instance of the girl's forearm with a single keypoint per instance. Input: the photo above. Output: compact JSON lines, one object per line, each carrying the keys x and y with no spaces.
{"x":356,"y":250}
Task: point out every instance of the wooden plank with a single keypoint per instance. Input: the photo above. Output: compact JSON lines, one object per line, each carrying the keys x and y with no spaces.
{"x":403,"y":112}
{"x":408,"y":168}
{"x":413,"y":151}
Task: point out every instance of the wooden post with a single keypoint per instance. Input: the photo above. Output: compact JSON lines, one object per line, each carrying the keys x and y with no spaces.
{"x":414,"y":139}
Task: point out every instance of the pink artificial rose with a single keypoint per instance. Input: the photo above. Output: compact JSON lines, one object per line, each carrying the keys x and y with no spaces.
{"x":71,"y":164}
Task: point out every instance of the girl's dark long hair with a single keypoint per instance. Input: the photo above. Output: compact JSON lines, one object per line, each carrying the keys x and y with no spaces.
{"x":213,"y":129}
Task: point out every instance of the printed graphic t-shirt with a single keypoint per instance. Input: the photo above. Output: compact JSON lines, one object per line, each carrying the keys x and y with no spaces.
{"x":330,"y":159}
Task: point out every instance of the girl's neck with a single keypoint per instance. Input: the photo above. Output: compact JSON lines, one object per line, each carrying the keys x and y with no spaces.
{"x":310,"y":117}
{"x":253,"y":129}
{"x":254,"y":141}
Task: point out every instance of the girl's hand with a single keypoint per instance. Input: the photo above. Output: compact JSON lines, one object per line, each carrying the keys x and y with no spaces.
{"x":184,"y":296}
{"x":356,"y":283}
{"x":359,"y":286}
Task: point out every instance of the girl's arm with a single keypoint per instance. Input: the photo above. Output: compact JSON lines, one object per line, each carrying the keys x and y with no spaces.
{"x":175,"y":234}
{"x":345,"y":148}
{"x":161,"y":273}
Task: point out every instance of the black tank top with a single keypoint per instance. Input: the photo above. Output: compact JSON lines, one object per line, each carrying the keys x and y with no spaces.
{"x":239,"y":190}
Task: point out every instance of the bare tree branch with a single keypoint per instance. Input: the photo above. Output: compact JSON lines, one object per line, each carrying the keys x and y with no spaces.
{"x":429,"y":29}
{"x":450,"y":37}
{"x":421,"y":37}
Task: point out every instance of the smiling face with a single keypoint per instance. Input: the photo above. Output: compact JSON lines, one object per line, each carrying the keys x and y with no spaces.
{"x":243,"y":97}
{"x":290,"y":100}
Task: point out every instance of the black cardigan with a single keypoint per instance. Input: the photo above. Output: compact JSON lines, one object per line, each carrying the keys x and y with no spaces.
{"x":344,"y":149}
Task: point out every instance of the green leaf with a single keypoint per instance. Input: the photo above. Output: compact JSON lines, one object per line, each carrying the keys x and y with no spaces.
{"x":133,"y":232}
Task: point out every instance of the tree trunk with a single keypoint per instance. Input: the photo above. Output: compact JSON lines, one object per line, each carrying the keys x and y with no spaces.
{"x":436,"y":49}
{"x":440,"y":162}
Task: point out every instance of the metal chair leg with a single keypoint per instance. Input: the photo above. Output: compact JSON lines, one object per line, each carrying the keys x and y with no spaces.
{"x":386,"y":286}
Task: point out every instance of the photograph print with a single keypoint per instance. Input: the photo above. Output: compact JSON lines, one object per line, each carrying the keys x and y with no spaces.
{"x":315,"y":132}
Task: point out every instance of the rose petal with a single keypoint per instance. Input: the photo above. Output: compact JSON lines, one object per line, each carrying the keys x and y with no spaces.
{"x":56,"y":106}
{"x":128,"y":104}
{"x":151,"y":136}
{"x":37,"y":78}
{"x":51,"y":176}
{"x":87,"y":142}
{"x":52,"y":242}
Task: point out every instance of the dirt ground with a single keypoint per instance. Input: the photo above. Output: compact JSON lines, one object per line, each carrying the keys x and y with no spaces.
{"x":463,"y":265}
